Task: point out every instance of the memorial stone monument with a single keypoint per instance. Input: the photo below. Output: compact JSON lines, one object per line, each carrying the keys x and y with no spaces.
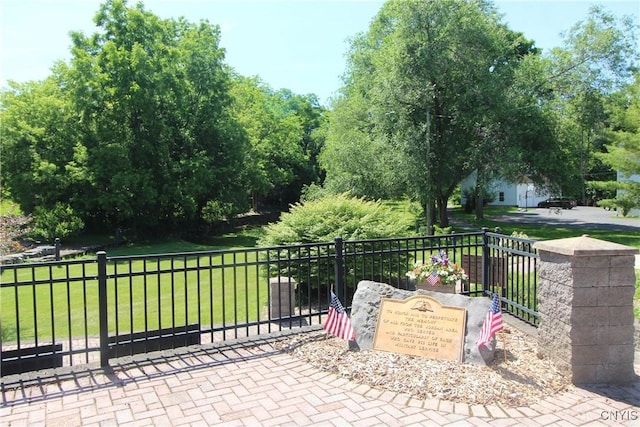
{"x":368,"y":299}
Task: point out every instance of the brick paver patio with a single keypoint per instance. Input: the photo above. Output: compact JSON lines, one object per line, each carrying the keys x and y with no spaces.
{"x":250,"y":383}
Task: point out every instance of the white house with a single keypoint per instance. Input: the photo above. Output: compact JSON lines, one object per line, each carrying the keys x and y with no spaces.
{"x":523,"y":194}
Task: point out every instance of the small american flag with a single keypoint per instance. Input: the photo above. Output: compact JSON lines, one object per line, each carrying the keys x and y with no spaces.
{"x":338,"y":322}
{"x":492,"y":323}
{"x":433,"y":279}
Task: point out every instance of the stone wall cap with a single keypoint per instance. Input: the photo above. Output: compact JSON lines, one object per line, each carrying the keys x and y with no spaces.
{"x":584,"y":246}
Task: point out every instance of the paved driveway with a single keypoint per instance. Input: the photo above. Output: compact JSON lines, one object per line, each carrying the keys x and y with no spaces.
{"x":583,"y":217}
{"x":586,"y":217}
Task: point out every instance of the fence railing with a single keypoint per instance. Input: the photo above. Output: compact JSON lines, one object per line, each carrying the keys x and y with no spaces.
{"x":73,"y":312}
{"x":513,"y":274}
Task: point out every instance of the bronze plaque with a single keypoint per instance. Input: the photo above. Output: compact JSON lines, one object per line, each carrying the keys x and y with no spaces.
{"x":421,"y":326}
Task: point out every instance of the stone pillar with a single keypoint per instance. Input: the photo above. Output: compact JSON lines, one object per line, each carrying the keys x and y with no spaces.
{"x":282,"y":296}
{"x":585,"y":301}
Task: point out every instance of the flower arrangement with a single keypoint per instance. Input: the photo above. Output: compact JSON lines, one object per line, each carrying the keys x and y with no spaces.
{"x":438,"y":271}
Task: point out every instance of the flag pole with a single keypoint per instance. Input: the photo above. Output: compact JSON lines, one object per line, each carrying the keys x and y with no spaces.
{"x":326,"y":333}
{"x":503,"y":332}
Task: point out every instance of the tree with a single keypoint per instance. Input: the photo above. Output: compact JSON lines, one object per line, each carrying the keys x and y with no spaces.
{"x":311,"y":115}
{"x":279,"y":126}
{"x":623,"y":151}
{"x":133,"y":133}
{"x":425,"y":83}
{"x":147,"y":129}
{"x":153,"y":98}
{"x":43,"y":160}
{"x":598,"y":56}
{"x":514,"y":137}
{"x":355,"y":161}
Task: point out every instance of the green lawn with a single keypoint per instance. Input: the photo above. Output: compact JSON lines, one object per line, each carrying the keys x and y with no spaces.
{"x":150,"y":294}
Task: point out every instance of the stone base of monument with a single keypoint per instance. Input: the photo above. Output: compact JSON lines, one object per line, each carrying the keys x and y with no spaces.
{"x":365,"y":312}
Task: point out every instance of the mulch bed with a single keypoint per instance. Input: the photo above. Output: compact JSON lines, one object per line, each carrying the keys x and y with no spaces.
{"x":523,"y":378}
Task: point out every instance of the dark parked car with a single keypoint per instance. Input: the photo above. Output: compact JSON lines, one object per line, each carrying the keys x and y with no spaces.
{"x":558,"y":202}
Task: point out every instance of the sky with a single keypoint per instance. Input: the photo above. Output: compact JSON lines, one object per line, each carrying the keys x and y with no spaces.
{"x":295,"y":44}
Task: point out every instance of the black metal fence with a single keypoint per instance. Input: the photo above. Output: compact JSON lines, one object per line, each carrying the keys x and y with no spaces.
{"x":73,"y":312}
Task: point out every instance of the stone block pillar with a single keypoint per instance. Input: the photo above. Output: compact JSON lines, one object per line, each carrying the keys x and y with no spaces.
{"x":585,"y":301}
{"x":282,"y":296}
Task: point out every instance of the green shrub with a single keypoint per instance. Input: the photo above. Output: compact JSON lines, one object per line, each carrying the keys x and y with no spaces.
{"x":626,"y":202}
{"x":322,"y":220}
{"x":215,"y":211}
{"x":60,"y":221}
{"x":441,"y":231}
{"x":312,"y":191}
{"x":623,"y":203}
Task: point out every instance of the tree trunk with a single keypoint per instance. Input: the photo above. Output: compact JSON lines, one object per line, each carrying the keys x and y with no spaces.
{"x":480,"y":206}
{"x":429,"y":214}
{"x":434,"y":215}
{"x":479,"y":194}
{"x":254,"y":201}
{"x":444,"y":215}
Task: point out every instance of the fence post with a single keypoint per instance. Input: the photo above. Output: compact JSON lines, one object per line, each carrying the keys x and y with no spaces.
{"x":57,"y":246}
{"x":338,"y":267}
{"x":102,"y":308}
{"x":486,"y":261}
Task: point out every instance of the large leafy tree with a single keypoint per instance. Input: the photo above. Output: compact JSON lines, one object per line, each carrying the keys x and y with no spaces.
{"x":153,"y":96}
{"x":282,"y":145}
{"x":43,"y":159}
{"x":426,"y":90}
{"x":311,"y":116}
{"x":41,"y":153}
{"x":355,"y":160}
{"x":107,"y":138}
{"x":623,"y":151}
{"x":598,"y":56}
